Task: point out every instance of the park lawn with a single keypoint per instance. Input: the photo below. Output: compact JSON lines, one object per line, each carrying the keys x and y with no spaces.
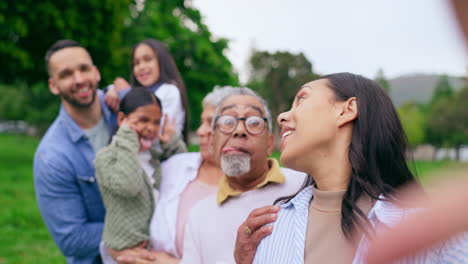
{"x":23,"y":235}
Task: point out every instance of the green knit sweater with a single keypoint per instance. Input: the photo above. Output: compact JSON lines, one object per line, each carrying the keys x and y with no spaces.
{"x":125,"y":188}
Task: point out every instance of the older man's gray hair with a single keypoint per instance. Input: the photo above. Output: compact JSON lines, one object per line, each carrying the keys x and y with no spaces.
{"x":244,"y":91}
{"x":215,"y":97}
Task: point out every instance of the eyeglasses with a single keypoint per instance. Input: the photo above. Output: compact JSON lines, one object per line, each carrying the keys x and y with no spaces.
{"x":228,"y":123}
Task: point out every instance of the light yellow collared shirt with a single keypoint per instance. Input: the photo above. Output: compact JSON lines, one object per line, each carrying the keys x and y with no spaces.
{"x":273,"y":175}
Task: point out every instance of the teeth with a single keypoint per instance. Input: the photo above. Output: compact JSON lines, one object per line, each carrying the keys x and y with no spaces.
{"x":287,"y":133}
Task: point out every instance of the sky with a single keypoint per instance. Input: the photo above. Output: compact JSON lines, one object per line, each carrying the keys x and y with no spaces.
{"x":359,"y":36}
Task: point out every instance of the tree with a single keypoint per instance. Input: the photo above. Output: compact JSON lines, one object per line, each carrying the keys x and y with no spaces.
{"x":382,"y":81}
{"x":278,"y":76}
{"x":30,"y":27}
{"x":443,"y":89}
{"x":413,"y":121}
{"x":448,"y":121}
{"x":108,"y":29}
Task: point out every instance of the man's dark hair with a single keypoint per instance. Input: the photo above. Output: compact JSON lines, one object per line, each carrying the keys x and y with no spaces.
{"x":58,"y":45}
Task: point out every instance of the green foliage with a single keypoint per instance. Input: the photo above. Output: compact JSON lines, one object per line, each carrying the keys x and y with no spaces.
{"x":108,"y":29}
{"x":448,"y":122}
{"x":443,"y":89}
{"x":30,"y":27}
{"x":413,"y":121}
{"x":278,"y":76}
{"x":382,"y":80}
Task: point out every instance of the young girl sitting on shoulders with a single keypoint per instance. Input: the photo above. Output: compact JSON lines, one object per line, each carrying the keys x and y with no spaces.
{"x":153,"y":67}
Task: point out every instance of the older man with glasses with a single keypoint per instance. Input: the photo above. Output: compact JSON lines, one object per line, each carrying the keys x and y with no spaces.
{"x":242,"y":143}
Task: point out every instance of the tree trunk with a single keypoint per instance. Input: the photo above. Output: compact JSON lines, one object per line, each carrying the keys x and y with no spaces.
{"x":457,"y":152}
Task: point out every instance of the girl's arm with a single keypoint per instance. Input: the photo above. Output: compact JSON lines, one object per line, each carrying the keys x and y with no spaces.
{"x":171,"y":143}
{"x":117,"y":164}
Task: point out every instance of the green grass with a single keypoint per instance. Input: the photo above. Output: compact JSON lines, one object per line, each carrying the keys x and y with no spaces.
{"x":23,"y":235}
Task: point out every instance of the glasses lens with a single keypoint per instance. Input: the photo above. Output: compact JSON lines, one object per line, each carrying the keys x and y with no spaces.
{"x":226,"y":123}
{"x":255,"y":124}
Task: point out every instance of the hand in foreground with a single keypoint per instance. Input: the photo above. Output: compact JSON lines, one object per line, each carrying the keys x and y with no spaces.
{"x":445,"y":215}
{"x":252,"y":231}
{"x":168,"y":129}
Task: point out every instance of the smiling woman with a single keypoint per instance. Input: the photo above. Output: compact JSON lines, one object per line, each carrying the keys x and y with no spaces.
{"x":344,"y":132}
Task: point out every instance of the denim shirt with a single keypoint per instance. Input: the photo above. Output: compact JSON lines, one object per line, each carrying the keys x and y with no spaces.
{"x":66,"y":190}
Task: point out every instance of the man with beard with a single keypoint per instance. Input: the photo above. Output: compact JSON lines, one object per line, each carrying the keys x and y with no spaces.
{"x":242,"y":142}
{"x":66,"y":188}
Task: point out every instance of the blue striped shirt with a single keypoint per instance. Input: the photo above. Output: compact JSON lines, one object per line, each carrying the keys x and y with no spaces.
{"x":287,"y":242}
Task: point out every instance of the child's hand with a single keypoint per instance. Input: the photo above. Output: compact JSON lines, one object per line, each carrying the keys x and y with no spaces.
{"x":112,"y":99}
{"x":120,"y":84}
{"x":169,"y":129}
{"x":130,"y":122}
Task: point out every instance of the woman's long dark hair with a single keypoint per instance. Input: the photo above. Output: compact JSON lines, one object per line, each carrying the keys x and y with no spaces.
{"x":168,"y":73}
{"x":377,"y":150}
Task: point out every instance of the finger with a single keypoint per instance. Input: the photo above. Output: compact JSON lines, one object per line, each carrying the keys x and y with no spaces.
{"x":269,"y":209}
{"x":166,"y":120}
{"x":255,"y":223}
{"x":133,"y":260}
{"x":143,"y":244}
{"x":126,"y":260}
{"x":139,"y":253}
{"x":258,"y":235}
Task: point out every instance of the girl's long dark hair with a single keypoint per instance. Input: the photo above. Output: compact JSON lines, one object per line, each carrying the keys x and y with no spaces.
{"x":377,"y":150}
{"x":168,"y":73}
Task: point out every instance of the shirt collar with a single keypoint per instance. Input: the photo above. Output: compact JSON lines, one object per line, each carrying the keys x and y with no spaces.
{"x":389,"y":212}
{"x":273,"y":175}
{"x":302,"y":200}
{"x":72,"y":128}
{"x":75,"y":132}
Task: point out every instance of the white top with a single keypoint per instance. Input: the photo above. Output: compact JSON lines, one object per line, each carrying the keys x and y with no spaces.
{"x":211,"y":230}
{"x":172,"y":104}
{"x":177,"y":172}
{"x":145,"y":158}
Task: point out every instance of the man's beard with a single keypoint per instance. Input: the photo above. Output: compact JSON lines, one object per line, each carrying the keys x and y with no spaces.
{"x":235,"y":165}
{"x":76,"y":103}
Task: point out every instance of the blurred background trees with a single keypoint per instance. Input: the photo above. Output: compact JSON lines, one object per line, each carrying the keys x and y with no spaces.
{"x":432,"y":108}
{"x":278,"y":76}
{"x":108,"y":29}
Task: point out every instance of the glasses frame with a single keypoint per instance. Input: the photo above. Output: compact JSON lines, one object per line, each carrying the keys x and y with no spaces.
{"x":237,"y":123}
